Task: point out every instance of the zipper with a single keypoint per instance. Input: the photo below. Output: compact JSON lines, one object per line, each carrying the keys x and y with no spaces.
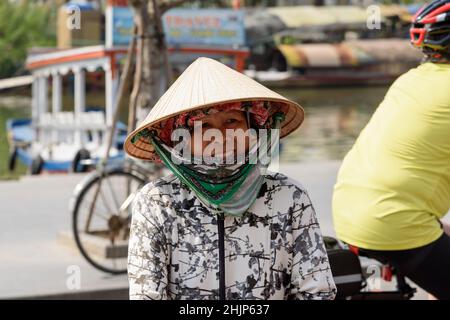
{"x":221,"y":232}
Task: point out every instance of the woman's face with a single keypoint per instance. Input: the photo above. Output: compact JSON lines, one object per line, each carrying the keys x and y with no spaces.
{"x":231,"y":124}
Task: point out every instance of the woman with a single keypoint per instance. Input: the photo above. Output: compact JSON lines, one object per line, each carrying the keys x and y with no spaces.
{"x":221,"y":227}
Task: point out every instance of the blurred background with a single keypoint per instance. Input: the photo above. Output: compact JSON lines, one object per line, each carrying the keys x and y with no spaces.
{"x":69,"y":93}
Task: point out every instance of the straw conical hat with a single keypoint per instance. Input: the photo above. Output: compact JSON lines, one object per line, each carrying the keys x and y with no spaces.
{"x":204,"y":83}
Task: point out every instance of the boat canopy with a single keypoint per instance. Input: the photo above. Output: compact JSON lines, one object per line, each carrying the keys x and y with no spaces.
{"x":45,"y":65}
{"x":348,"y":15}
{"x":321,"y":55}
{"x":301,"y":16}
{"x":349,"y":53}
{"x":388,"y":50}
{"x":395,"y":10}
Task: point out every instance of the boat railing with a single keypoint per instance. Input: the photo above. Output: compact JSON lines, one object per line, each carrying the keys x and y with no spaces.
{"x":67,"y":121}
{"x":68,"y":127}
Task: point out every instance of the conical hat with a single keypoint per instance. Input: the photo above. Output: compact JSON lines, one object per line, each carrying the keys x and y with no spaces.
{"x":205,"y":83}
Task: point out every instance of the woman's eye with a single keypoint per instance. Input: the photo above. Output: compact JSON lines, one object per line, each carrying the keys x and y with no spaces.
{"x":231,"y":121}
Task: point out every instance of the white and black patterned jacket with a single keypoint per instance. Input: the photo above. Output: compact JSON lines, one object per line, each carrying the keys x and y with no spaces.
{"x":178,"y":249}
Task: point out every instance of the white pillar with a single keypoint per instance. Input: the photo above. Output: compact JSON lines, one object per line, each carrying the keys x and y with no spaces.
{"x":35,"y":100}
{"x":43,"y":95}
{"x":56,"y":102}
{"x":56,"y":93}
{"x":80,"y":101}
{"x":42,"y":108}
{"x":110,"y":98}
{"x":109,"y":27}
{"x":35,"y":106}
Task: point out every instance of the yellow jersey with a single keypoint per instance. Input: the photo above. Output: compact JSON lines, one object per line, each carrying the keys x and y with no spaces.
{"x":394,"y":184}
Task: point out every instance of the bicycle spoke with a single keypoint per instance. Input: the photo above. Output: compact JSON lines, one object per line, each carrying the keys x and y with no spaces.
{"x":105,"y":209}
{"x":102,"y":215}
{"x":106,"y":202}
{"x":114,"y":196}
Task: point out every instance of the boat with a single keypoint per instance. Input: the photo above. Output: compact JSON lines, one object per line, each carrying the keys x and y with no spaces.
{"x":58,"y":140}
{"x":328,"y":46}
{"x":348,"y":63}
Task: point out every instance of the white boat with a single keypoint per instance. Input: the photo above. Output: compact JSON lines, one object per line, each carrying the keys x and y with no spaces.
{"x":57,"y":140}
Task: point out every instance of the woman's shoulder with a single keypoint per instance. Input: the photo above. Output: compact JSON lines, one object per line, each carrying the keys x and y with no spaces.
{"x":156,"y":195}
{"x":158,"y":184}
{"x":281,"y":188}
{"x":165,"y":184}
{"x":281,"y":180}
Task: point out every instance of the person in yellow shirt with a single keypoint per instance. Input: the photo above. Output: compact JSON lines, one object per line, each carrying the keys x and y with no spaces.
{"x":394,"y":184}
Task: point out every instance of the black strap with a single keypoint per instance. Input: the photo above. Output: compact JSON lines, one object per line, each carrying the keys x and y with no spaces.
{"x":221,"y":232}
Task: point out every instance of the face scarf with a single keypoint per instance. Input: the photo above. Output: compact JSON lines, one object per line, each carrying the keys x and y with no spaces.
{"x":221,"y":187}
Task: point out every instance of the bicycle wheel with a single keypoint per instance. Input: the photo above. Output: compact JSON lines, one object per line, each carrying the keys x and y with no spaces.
{"x":102,"y":217}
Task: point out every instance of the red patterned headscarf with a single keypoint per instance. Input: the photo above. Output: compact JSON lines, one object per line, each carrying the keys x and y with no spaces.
{"x":259,"y":112}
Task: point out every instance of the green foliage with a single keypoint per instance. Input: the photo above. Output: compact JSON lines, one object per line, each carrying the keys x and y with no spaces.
{"x":23,"y":24}
{"x":5,"y":114}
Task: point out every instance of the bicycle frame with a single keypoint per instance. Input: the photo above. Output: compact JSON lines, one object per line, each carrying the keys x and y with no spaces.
{"x":126,"y":166}
{"x":351,"y":280}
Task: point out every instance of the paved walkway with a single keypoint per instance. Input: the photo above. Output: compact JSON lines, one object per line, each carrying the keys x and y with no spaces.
{"x":32,"y":212}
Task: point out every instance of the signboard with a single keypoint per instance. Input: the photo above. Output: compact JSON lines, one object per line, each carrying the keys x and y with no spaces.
{"x":119,"y":26}
{"x":218,"y":27}
{"x":224,"y":27}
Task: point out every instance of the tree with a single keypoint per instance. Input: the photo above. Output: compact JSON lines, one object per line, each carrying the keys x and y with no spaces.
{"x":152,"y":74}
{"x":23,"y":24}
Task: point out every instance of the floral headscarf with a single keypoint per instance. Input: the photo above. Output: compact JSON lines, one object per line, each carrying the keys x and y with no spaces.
{"x":259,"y":112}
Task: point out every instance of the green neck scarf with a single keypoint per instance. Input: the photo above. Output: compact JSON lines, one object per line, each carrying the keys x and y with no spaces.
{"x":227,"y":188}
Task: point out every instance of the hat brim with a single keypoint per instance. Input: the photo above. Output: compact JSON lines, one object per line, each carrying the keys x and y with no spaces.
{"x":205,"y":83}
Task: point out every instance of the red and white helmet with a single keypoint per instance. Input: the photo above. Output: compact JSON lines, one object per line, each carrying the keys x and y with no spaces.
{"x":430,"y":30}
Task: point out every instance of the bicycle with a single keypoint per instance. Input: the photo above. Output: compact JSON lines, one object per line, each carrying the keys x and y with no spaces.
{"x":101,"y":211}
{"x":351,"y":280}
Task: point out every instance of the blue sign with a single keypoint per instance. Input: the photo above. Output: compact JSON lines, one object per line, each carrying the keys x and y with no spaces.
{"x":223,"y":27}
{"x":120,"y":27}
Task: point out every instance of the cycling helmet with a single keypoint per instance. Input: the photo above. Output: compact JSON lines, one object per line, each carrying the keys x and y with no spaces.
{"x":430,"y":30}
